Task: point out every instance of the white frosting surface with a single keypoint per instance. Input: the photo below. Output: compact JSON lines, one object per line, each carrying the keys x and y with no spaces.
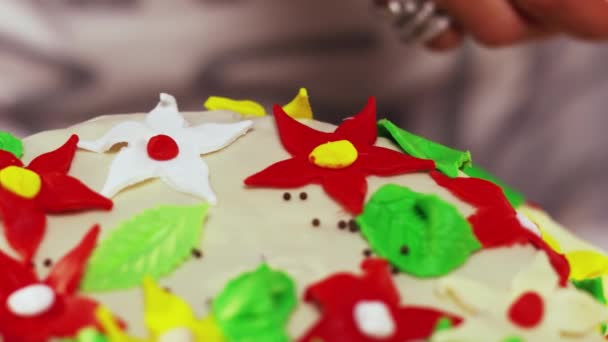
{"x":249,"y":225}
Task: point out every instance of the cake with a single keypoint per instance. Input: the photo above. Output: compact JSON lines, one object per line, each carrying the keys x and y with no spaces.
{"x":233,"y":224}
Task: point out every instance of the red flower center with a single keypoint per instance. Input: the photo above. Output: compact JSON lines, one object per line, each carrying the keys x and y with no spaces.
{"x":162,"y":148}
{"x":527,"y":311}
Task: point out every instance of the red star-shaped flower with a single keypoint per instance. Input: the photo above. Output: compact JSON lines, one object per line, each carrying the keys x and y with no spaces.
{"x":495,"y":222}
{"x":367,"y":309}
{"x":339,"y":161}
{"x":28,"y":193}
{"x":34,"y":310}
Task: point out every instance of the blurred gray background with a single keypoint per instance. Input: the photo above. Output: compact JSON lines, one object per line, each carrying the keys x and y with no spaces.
{"x":535,"y":115}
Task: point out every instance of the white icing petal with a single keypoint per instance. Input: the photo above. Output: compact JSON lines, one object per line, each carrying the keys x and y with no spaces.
{"x":189,"y":174}
{"x":165,"y":116}
{"x":212,"y":137}
{"x":128,"y":132}
{"x":130,"y":166}
{"x":177,"y":335}
{"x":32,"y":300}
{"x":528,"y":224}
{"x":374,"y":319}
{"x":539,"y":276}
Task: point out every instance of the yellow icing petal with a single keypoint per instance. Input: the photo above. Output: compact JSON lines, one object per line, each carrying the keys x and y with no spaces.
{"x":20,"y":181}
{"x":210,"y":330}
{"x":243,"y":107}
{"x":111,"y":328}
{"x":334,"y":155}
{"x":299,"y":107}
{"x":164,"y":311}
{"x":587,"y":264}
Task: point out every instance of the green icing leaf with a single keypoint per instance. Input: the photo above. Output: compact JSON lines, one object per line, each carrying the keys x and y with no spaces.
{"x":87,"y":335}
{"x":420,"y":234}
{"x":256,"y":306}
{"x":513,"y":339}
{"x":515,"y":198}
{"x":443,"y":324}
{"x":153,"y":243}
{"x":10,"y":143}
{"x":594,"y":286}
{"x":447,"y":160}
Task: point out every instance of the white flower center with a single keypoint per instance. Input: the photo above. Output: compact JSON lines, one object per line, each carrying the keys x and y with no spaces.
{"x":528,"y":224}
{"x":374,"y":319}
{"x":177,"y":335}
{"x":31,"y":300}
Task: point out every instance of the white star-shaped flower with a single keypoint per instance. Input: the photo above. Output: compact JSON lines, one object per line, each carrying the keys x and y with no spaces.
{"x":165,"y":147}
{"x":555,"y":312}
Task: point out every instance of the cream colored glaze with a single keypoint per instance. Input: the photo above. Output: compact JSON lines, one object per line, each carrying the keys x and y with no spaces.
{"x":248,"y":225}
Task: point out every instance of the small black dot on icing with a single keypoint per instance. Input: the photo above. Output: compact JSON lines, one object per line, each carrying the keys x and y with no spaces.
{"x":303,"y":196}
{"x":287,"y":196}
{"x":420,"y":212}
{"x":394,"y":270}
{"x":197,"y":253}
{"x":353,"y":226}
{"x":342,"y":224}
{"x":405,"y":250}
{"x":367,"y":253}
{"x":168,"y":290}
{"x":47,"y":262}
{"x":316,"y":222}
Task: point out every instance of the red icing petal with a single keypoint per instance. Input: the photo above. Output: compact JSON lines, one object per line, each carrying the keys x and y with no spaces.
{"x":290,"y":173}
{"x":61,"y":193}
{"x":8,"y":159}
{"x":558,"y":261}
{"x":162,"y":148}
{"x":494,"y":227}
{"x":527,"y":311}
{"x":348,"y":187}
{"x":475,"y":191}
{"x":420,"y":322}
{"x":76,"y":314}
{"x":381,"y":161}
{"x":66,"y":274}
{"x":24,"y":224}
{"x":361,"y":129}
{"x":59,"y":160}
{"x":14,"y":275}
{"x":297,"y":138}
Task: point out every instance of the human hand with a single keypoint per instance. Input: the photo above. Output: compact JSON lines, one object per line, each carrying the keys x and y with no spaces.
{"x":497,"y":23}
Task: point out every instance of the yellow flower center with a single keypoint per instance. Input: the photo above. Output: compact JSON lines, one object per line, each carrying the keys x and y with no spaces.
{"x":20,"y":181}
{"x":334,"y":155}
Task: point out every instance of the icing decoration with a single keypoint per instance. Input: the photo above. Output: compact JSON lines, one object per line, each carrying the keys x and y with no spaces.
{"x":152,"y":243}
{"x":164,"y":147}
{"x":514,"y":197}
{"x":533,"y":300}
{"x":447,"y":160}
{"x":495,"y":222}
{"x":339,"y":296}
{"x":419,"y":234}
{"x":513,"y":339}
{"x":243,"y":107}
{"x":587,"y":264}
{"x":525,"y":222}
{"x":87,"y":335}
{"x":12,"y":144}
{"x":28,"y":193}
{"x":347,"y":186}
{"x":168,"y":318}
{"x":334,"y":155}
{"x":527,"y":311}
{"x":256,"y":306}
{"x":37,"y":310}
{"x":594,"y":286}
{"x":20,"y":181}
{"x":298,"y":108}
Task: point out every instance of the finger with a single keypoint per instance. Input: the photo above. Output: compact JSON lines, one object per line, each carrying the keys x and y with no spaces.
{"x":583,"y":18}
{"x":446,"y":41}
{"x":491,"y":22}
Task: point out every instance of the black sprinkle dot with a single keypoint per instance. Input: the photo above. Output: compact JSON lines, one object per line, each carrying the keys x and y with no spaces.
{"x":405,"y":250}
{"x":420,"y":212}
{"x":167,"y":289}
{"x":316,"y":222}
{"x":47,"y":262}
{"x":197,"y":253}
{"x":303,"y":196}
{"x":287,"y":196}
{"x":367,"y":253}
{"x":394,"y":270}
{"x":342,"y":224}
{"x":353,"y":226}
